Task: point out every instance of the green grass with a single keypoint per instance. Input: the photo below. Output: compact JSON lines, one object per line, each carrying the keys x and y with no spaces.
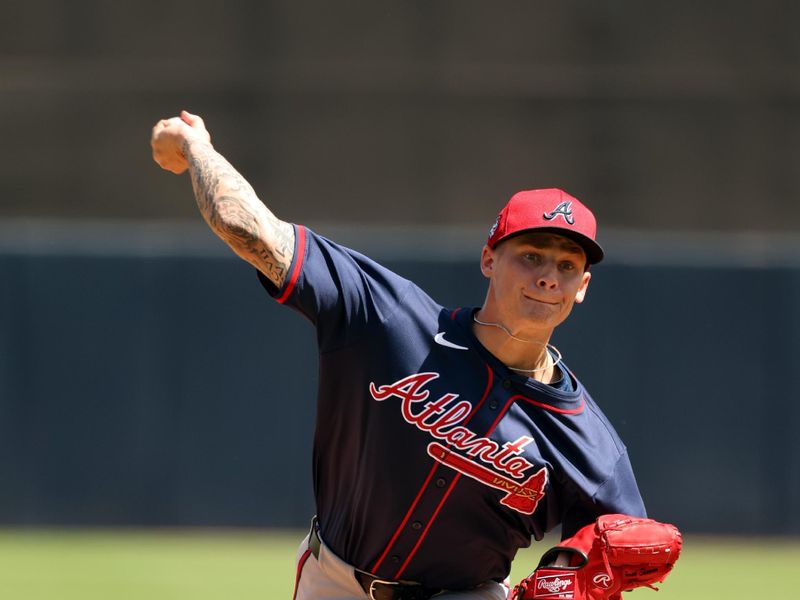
{"x":146,"y":565}
{"x":205,"y":564}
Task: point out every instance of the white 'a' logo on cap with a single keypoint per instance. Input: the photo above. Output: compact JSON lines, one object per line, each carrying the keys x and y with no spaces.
{"x":564,"y":210}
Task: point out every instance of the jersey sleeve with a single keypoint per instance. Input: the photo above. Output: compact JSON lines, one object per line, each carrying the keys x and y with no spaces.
{"x":339,"y":290}
{"x":620,"y":493}
{"x":617,"y":494}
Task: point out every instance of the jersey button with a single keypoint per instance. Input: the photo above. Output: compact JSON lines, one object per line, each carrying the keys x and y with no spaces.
{"x":493,"y":404}
{"x":441,"y":482}
{"x":416,"y":525}
{"x":507,"y":383}
{"x":395,"y":559}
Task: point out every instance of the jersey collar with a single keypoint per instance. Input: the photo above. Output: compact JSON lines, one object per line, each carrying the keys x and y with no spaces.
{"x":462,"y":317}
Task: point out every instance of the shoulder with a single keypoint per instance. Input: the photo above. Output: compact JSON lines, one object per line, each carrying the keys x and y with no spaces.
{"x":599,"y":425}
{"x":588,"y":426}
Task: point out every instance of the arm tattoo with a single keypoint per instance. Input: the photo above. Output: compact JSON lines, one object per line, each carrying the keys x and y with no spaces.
{"x":231,"y":208}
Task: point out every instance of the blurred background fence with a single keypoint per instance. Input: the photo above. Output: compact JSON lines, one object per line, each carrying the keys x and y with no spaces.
{"x":146,"y":379}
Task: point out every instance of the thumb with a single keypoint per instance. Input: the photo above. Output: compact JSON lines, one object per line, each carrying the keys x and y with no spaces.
{"x":192,"y":120}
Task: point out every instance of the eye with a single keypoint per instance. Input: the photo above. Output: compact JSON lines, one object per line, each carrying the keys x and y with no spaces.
{"x":533,"y":257}
{"x":567,"y":266}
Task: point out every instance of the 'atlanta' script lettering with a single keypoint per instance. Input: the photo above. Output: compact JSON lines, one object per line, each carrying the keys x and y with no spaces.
{"x":441,"y":418}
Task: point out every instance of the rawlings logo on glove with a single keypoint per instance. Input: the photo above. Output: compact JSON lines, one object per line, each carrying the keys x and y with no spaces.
{"x":617,"y":553}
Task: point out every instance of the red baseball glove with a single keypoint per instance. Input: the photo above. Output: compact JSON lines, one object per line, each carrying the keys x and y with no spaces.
{"x":613,"y":555}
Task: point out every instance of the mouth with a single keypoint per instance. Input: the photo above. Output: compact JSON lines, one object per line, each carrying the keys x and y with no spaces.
{"x":541,"y":301}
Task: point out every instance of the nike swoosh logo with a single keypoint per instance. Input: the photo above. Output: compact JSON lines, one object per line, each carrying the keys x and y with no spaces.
{"x":439,"y":339}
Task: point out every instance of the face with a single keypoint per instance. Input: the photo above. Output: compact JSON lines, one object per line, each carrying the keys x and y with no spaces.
{"x":534,"y":280}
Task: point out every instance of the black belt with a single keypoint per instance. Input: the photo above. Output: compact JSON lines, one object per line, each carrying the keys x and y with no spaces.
{"x":375,"y":587}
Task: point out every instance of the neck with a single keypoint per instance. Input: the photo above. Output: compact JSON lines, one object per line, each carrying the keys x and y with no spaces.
{"x":524,"y":353}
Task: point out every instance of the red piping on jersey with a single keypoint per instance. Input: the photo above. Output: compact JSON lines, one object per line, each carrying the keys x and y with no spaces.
{"x":405,"y":519}
{"x":425,"y":531}
{"x":300,"y":564}
{"x":424,"y":486}
{"x":299,"y":255}
{"x":562,"y":411}
{"x":500,"y":415}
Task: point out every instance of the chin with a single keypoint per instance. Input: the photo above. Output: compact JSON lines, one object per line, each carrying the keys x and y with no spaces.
{"x":548,"y":319}
{"x":541,"y":312}
{"x":535,"y":322}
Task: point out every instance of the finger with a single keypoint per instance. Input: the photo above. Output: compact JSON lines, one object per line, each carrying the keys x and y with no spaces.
{"x":159,"y":127}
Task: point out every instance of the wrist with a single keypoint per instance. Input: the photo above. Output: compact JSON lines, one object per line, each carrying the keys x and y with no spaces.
{"x":193,"y":145}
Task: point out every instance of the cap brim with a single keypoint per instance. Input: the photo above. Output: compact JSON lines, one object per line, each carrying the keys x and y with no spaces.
{"x":594,"y":252}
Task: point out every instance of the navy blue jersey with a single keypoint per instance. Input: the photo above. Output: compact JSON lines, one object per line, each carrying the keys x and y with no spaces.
{"x":434,"y":462}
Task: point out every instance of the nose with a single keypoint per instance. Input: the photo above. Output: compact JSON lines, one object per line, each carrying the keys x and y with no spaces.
{"x":546,"y":281}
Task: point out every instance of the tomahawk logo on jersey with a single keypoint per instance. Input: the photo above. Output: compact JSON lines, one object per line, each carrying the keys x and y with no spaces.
{"x":442,"y":418}
{"x":420,"y":429}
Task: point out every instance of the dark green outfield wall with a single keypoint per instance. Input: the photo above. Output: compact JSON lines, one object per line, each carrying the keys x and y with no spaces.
{"x":172,"y":390}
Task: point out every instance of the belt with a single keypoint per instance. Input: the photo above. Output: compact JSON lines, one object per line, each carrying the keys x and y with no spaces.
{"x":375,"y":587}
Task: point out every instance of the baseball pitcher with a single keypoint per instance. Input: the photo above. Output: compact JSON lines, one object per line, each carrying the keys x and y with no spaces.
{"x":446,"y":438}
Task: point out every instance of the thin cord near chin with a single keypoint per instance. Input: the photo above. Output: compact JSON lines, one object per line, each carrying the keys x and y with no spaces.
{"x":554,"y":352}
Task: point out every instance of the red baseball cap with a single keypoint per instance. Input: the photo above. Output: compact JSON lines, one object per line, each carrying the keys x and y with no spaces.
{"x":550,"y":210}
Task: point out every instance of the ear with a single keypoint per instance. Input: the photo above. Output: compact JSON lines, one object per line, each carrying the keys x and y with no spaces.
{"x":487,"y":262}
{"x":582,"y":290}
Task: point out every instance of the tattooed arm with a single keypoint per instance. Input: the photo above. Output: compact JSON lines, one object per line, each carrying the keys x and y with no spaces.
{"x":233,"y":211}
{"x":226,"y":200}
